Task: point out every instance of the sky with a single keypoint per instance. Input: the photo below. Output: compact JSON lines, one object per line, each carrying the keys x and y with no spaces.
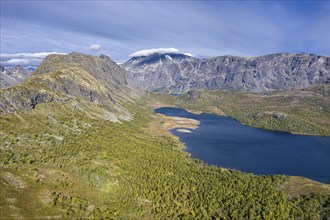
{"x":32,"y":29}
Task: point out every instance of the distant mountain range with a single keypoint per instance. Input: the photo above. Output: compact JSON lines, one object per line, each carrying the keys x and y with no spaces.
{"x":14,"y":75}
{"x":178,"y":73}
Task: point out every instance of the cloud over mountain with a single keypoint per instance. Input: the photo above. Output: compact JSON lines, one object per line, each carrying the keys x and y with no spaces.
{"x":24,"y":59}
{"x":205,"y":28}
{"x":154,"y":50}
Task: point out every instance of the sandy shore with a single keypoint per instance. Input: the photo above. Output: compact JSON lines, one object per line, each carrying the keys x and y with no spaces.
{"x":178,"y":122}
{"x":184,"y":130}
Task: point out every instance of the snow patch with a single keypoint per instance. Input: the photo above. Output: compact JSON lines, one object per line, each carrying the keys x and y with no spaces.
{"x":168,"y":57}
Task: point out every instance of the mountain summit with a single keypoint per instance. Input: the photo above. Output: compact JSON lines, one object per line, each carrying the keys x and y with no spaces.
{"x":178,"y":73}
{"x":157,"y":70}
{"x":156,"y":58}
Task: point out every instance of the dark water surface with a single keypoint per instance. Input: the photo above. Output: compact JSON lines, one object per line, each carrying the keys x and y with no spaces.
{"x":225,"y":142}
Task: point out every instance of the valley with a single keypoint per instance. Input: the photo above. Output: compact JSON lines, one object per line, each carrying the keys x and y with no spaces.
{"x":80,"y":140}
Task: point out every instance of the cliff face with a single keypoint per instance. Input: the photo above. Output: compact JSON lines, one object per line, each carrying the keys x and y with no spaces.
{"x":279,"y":72}
{"x":73,"y":77}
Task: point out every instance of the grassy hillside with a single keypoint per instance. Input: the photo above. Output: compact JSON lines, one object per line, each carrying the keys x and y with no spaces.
{"x":303,"y":112}
{"x":58,"y":161}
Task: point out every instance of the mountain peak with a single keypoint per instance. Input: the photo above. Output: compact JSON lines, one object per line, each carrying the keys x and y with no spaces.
{"x":156,"y":59}
{"x":74,"y":76}
{"x":105,"y":57}
{"x":93,"y":63}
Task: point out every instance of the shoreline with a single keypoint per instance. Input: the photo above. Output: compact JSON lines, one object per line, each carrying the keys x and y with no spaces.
{"x":219,"y":112}
{"x":182,"y":123}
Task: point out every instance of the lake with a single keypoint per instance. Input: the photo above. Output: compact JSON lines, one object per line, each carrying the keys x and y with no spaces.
{"x":223,"y":141}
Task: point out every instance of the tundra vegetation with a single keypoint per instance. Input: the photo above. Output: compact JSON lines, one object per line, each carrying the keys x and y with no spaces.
{"x":58,"y":162}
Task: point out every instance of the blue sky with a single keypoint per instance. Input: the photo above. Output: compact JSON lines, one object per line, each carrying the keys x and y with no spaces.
{"x":202,"y":28}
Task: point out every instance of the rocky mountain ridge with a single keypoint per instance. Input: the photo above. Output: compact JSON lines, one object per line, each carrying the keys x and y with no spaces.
{"x":178,"y":73}
{"x":80,"y":79}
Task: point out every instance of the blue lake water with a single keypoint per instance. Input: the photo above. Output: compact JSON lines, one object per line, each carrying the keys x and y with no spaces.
{"x":224,"y":142}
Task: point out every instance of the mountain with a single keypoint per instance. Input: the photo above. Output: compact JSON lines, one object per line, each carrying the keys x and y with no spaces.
{"x":70,"y":78}
{"x":13,"y":76}
{"x":158,"y":71}
{"x":177,"y":73}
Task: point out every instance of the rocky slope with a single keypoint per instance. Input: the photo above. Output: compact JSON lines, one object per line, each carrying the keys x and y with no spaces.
{"x":177,"y":73}
{"x":13,"y":76}
{"x":85,"y":81}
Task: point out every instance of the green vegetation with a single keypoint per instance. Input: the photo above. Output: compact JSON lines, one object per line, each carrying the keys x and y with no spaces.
{"x":304,"y":112}
{"x":60,"y":162}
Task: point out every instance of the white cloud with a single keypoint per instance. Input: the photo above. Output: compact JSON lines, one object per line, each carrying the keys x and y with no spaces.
{"x":24,"y":59}
{"x":95,"y":47}
{"x":154,"y":50}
